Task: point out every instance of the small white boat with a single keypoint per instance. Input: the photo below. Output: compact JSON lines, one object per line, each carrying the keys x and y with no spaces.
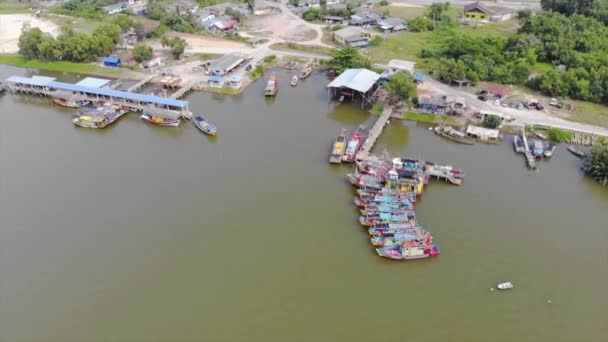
{"x":505,"y":286}
{"x":294,"y":80}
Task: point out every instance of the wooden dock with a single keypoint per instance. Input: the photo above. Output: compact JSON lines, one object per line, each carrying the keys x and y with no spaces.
{"x":183,"y":90}
{"x":141,"y":83}
{"x":443,"y":175}
{"x":374,"y":133}
{"x":529,"y":157}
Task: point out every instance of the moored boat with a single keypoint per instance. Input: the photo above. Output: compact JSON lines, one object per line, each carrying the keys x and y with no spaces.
{"x":505,"y":286}
{"x":338,"y":148}
{"x":576,"y":151}
{"x":294,"y":80}
{"x":272,"y":86}
{"x":305,"y":72}
{"x":204,"y":126}
{"x":71,"y":101}
{"x":549,"y":150}
{"x":354,"y":144}
{"x":449,"y":132}
{"x":97,"y":116}
{"x":408,"y":253}
{"x":537,"y":149}
{"x":518,"y":144}
{"x":159,"y":120}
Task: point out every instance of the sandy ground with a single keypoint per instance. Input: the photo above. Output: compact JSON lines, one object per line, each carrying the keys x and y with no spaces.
{"x":198,"y":43}
{"x":10,"y":29}
{"x":281,"y":26}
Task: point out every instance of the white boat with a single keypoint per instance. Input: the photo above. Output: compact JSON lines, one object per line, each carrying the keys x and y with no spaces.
{"x":505,"y":286}
{"x":294,"y":80}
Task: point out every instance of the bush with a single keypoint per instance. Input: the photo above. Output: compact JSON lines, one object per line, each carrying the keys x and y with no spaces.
{"x":559,"y":135}
{"x":336,"y":27}
{"x":524,"y":14}
{"x":270,"y":59}
{"x":492,"y":121}
{"x":384,"y":3}
{"x":420,"y":24}
{"x":375,"y":41}
{"x":596,"y":162}
{"x":142,"y":52}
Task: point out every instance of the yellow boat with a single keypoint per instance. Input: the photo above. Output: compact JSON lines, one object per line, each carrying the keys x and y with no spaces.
{"x":338,"y":148}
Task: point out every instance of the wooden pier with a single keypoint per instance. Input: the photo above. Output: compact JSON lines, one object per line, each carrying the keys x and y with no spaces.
{"x":443,"y":175}
{"x":141,"y":83}
{"x":529,"y":157}
{"x":374,"y":133}
{"x":183,"y":90}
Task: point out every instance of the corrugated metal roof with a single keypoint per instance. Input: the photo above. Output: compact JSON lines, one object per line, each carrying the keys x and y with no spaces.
{"x":357,"y":79}
{"x":113,"y":60}
{"x":40,"y":81}
{"x":359,"y":43}
{"x":93,"y":82}
{"x":163,"y":101}
{"x":482,"y":132}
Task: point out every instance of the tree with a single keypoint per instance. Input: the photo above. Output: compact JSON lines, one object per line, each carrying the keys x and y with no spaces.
{"x":596,"y":162}
{"x":30,"y":41}
{"x":177,"y":45}
{"x":251,"y":5}
{"x":111,"y":31}
{"x":384,"y":3}
{"x":123,"y":20}
{"x":348,"y":57}
{"x":420,"y":24}
{"x":492,"y":121}
{"x":402,"y":86}
{"x":142,"y":52}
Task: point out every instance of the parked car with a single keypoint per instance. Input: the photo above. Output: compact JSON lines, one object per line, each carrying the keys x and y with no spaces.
{"x":538,"y":106}
{"x":248,"y":67}
{"x":482,"y":98}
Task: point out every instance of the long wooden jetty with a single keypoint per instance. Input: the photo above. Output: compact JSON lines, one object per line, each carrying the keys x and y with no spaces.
{"x":374,"y":133}
{"x":183,"y":90}
{"x":140,"y":84}
{"x":529,"y":157}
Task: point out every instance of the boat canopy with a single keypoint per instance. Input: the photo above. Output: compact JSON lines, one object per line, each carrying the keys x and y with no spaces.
{"x":162,"y":113}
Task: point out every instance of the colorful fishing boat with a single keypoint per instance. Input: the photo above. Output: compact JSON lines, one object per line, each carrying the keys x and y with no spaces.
{"x":204,"y":126}
{"x":97,"y":116}
{"x":272,"y":86}
{"x":354,"y":144}
{"x":390,"y":231}
{"x":70,"y":100}
{"x":338,"y":148}
{"x":401,"y":239}
{"x":159,"y":120}
{"x":409,"y":253}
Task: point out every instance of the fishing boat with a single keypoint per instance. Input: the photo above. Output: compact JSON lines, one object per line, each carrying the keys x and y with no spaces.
{"x":400,"y":225}
{"x":518,"y":144}
{"x":549,"y":150}
{"x":338,"y":148}
{"x":294,"y":80}
{"x":204,"y":126}
{"x":70,"y":100}
{"x":576,"y":151}
{"x":159,"y":120}
{"x":373,"y":231}
{"x":408,"y":253}
{"x":537,"y":149}
{"x":97,"y":116}
{"x":505,"y":286}
{"x":402,"y":239}
{"x":272,"y":86}
{"x":354,"y":144}
{"x":305,"y":73}
{"x":457,"y":173}
{"x":450,"y":133}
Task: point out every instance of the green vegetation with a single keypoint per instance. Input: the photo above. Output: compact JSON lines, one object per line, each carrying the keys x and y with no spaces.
{"x":402,"y":86}
{"x":492,"y":121}
{"x":270,"y":59}
{"x":378,"y":108}
{"x":346,"y":58}
{"x":312,"y":49}
{"x":91,"y":9}
{"x":181,"y":22}
{"x":208,"y":56}
{"x":14,"y":6}
{"x":318,"y":13}
{"x":559,"y":135}
{"x":384,"y":3}
{"x":70,"y":45}
{"x":142,"y":52}
{"x":223,"y":91}
{"x":61,"y":66}
{"x":257,"y":72}
{"x":596,"y":162}
{"x":430,"y":118}
{"x":597,"y":9}
{"x":177,"y":45}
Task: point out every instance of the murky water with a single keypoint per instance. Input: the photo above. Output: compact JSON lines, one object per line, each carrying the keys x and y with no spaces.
{"x":143,"y":233}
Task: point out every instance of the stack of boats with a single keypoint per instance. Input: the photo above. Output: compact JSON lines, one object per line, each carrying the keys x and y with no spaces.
{"x":387,"y":194}
{"x":98,"y":115}
{"x":346,"y":151}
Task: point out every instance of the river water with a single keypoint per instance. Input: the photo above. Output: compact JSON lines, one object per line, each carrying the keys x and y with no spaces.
{"x":143,"y":233}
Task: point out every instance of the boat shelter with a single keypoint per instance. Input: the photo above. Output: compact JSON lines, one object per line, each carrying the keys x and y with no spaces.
{"x":355,"y":83}
{"x":225,"y":64}
{"x":483,"y":134}
{"x":93,"y":82}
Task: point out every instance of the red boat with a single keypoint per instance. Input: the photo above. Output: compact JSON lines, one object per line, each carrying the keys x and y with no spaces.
{"x":354,"y":144}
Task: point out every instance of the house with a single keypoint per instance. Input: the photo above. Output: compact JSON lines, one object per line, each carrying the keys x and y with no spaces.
{"x":224,"y":24}
{"x":334,"y":19}
{"x":115,"y":8}
{"x":206,"y":14}
{"x":186,"y":6}
{"x":497,"y":91}
{"x":476,"y":12}
{"x":353,"y":36}
{"x":111,"y":61}
{"x":418,"y":77}
{"x":431,"y":104}
{"x":134,"y":2}
{"x":236,"y":81}
{"x":364,"y":19}
{"x":225,"y":64}
{"x":216,"y":81}
{"x":455,"y":105}
{"x":392,"y":25}
{"x":395,"y":66}
{"x":483,"y":134}
{"x":154,"y":62}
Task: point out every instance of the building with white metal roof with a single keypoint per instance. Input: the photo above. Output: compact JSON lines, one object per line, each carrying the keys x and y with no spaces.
{"x":361,"y":80}
{"x":93,"y":82}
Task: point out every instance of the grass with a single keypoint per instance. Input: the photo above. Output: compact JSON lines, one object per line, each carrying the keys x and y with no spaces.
{"x":588,"y":112}
{"x":14,"y":7}
{"x":504,"y":29}
{"x":312,"y":49}
{"x":559,"y":135}
{"x":541,"y":68}
{"x":208,"y":56}
{"x":257,"y":72}
{"x":377,"y":108}
{"x":430,"y":118}
{"x":223,"y":91}
{"x":61,"y":66}
{"x":403,"y":12}
{"x":270,"y":59}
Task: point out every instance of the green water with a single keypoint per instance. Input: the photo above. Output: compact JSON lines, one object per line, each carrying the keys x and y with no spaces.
{"x":144,"y":233}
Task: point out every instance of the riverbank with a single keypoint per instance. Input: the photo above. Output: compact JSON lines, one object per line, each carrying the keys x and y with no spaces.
{"x":69,"y":67}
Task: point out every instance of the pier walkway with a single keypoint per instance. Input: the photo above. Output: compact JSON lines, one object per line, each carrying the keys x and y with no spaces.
{"x":141,"y":83}
{"x":443,"y":175}
{"x":374,"y":133}
{"x":183,"y":90}
{"x":529,"y":157}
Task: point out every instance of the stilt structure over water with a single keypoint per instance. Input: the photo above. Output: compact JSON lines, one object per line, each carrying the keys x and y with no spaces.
{"x":141,"y":83}
{"x":529,"y":157}
{"x":183,"y":90}
{"x":47,"y":86}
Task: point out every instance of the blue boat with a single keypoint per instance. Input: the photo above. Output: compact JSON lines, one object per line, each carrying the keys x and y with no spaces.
{"x":204,"y":126}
